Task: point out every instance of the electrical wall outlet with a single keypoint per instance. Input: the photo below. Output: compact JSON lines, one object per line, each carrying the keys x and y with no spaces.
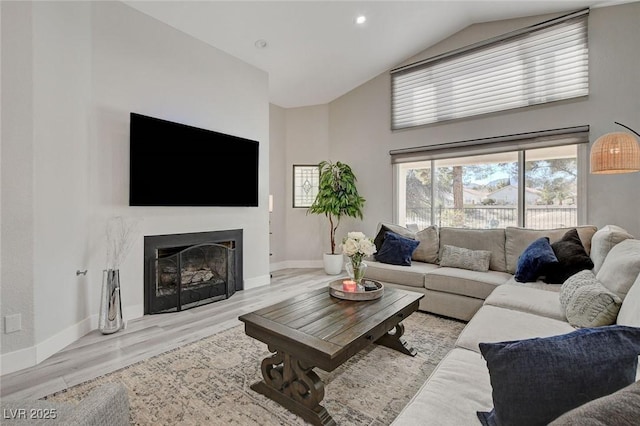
{"x":12,"y":323}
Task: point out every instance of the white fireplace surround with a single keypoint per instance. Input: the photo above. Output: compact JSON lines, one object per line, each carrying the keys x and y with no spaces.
{"x":67,"y":161}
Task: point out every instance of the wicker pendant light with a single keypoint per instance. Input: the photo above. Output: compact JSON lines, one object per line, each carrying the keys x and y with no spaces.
{"x":616,"y":152}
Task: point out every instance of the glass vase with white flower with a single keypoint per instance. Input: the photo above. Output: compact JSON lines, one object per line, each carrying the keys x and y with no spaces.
{"x":357,"y":246}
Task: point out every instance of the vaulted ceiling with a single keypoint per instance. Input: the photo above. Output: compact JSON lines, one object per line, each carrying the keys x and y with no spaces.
{"x":314,"y":51}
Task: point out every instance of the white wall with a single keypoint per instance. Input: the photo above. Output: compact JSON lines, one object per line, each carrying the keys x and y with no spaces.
{"x":65,"y":156}
{"x":61,"y":111}
{"x":360,"y":135}
{"x":307,"y":142}
{"x":278,"y":172}
{"x":17,"y":229}
{"x":614,"y":40}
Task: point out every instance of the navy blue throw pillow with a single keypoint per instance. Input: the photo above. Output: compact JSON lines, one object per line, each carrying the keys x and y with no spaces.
{"x":535,"y":260}
{"x":536,"y":380}
{"x":396,"y":249}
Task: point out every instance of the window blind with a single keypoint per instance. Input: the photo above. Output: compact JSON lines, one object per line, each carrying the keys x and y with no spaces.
{"x":543,"y":63}
{"x":493,"y":145}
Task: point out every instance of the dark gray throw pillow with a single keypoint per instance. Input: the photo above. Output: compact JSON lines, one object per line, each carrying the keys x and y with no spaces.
{"x":621,"y":408}
{"x":537,"y":380}
{"x":572,"y":258}
{"x":390,"y":227}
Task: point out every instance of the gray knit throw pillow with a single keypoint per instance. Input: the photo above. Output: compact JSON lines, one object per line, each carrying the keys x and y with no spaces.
{"x":587,"y":303}
{"x":459,"y":257}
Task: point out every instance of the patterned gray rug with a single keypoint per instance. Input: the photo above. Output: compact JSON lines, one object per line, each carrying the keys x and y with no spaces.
{"x":207,"y":382}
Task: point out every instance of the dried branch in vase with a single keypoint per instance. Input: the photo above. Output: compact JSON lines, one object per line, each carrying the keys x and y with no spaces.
{"x":121,"y":233}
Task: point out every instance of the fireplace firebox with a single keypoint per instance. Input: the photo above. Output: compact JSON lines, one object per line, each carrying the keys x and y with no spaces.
{"x":183,"y":271}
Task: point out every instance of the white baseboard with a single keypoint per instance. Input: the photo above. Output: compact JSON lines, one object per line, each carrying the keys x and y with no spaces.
{"x":276,"y":266}
{"x":256,"y":282}
{"x":62,"y":339}
{"x":33,"y":355}
{"x":17,"y":360}
{"x":132,"y":312}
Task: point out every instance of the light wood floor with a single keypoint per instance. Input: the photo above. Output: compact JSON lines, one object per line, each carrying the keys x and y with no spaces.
{"x":96,"y":354}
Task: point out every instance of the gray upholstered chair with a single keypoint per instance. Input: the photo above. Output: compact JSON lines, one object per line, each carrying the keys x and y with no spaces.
{"x":107,"y":405}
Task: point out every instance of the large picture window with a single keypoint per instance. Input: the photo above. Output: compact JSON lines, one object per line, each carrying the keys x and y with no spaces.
{"x":536,"y":188}
{"x":543,"y":63}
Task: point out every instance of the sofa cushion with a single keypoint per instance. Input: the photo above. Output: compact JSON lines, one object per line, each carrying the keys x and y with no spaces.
{"x":517,"y":239}
{"x":587,"y":303}
{"x":526,"y":299}
{"x":535,"y":381}
{"x":535,"y":260}
{"x":477,"y":239}
{"x":494,"y":324}
{"x":396,"y":249}
{"x":450,"y":305}
{"x":457,"y":388}
{"x":539,"y":284}
{"x":460,"y":257}
{"x":390,"y":227}
{"x":464,"y":282}
{"x":630,"y":310}
{"x":621,"y":408}
{"x":621,"y":267}
{"x":603,"y":241}
{"x":572,"y":258}
{"x":427,"y":251}
{"x":413,"y":276}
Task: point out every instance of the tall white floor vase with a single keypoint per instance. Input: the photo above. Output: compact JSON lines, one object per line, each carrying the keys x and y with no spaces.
{"x":110,"y":319}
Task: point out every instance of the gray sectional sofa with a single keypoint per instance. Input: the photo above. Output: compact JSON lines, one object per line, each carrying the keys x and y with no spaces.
{"x":460,"y":386}
{"x":459,"y":293}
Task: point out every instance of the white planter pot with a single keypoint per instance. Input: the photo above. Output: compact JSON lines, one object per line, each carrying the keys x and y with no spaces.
{"x":333,"y":263}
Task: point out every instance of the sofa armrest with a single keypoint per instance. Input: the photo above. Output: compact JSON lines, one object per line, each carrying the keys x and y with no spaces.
{"x":107,"y":405}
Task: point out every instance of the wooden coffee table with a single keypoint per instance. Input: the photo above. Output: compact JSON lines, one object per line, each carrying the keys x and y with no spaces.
{"x":318,"y":330}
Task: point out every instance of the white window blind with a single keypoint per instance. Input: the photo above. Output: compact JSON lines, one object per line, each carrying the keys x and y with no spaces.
{"x":543,"y":63}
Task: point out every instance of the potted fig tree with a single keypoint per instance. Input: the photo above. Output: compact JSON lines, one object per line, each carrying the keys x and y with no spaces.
{"x":337,"y":197}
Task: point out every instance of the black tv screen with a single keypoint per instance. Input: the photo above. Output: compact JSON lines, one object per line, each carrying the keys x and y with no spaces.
{"x":172,"y":164}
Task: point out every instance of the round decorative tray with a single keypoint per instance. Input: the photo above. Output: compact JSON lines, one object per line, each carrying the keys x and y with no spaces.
{"x":336,"y":289}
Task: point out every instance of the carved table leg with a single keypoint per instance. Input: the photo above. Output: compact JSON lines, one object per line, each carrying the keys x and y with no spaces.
{"x":395,"y":341}
{"x":295,"y":386}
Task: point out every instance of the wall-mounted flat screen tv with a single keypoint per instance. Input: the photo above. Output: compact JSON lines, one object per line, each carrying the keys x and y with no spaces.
{"x":172,"y":164}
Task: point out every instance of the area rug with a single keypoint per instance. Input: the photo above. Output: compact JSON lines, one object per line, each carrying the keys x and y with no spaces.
{"x":207,"y":382}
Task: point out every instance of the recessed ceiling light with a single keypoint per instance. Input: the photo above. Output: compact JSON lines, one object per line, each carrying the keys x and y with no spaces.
{"x":260,"y":44}
{"x":361,"y":19}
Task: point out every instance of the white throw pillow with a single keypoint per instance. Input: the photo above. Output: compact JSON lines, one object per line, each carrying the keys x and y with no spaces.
{"x":621,"y":267}
{"x":603,"y":241}
{"x":630,"y":311}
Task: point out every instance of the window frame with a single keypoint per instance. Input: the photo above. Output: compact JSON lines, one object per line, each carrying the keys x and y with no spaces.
{"x":314,"y":168}
{"x":519,"y":144}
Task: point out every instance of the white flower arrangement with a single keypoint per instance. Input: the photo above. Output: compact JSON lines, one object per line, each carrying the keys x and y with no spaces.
{"x":356,"y":245}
